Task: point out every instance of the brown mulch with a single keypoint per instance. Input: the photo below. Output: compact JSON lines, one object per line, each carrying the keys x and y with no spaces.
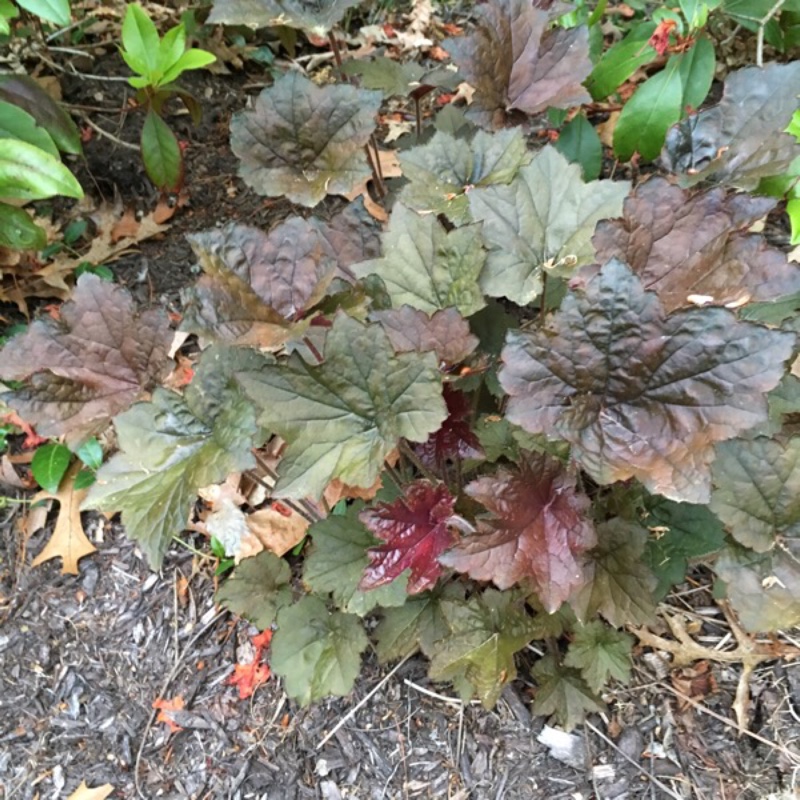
{"x":83,"y":658}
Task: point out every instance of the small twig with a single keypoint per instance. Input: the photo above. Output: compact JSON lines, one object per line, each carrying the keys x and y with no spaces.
{"x":61,"y":31}
{"x":651,"y":777}
{"x":353,"y":711}
{"x":165,"y":686}
{"x":762,"y":23}
{"x":453,"y":701}
{"x":110,"y":136}
{"x":87,"y":75}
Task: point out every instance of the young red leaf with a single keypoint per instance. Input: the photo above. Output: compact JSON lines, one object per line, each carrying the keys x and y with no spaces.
{"x":455,"y":438}
{"x":540,"y":531}
{"x":516,"y":60}
{"x":681,"y":245}
{"x":638,"y":393}
{"x":416,"y":533}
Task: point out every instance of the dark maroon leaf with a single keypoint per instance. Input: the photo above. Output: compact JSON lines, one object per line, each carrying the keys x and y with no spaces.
{"x":638,"y":393}
{"x":539,"y":531}
{"x":98,"y":359}
{"x":743,"y":138}
{"x":516,"y":61}
{"x":455,"y":438}
{"x":445,"y":332}
{"x":697,"y":247}
{"x":415,"y":529}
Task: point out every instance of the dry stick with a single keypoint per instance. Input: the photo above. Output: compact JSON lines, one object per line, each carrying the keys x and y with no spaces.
{"x":110,"y":136}
{"x":353,"y":711}
{"x":167,"y":682}
{"x":762,"y":23}
{"x":656,"y":781}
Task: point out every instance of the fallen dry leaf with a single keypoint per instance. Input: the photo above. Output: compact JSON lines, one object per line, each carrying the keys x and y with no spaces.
{"x":68,"y":541}
{"x":390,"y":168}
{"x":276,"y":528}
{"x":165,"y":706}
{"x":83,"y":792}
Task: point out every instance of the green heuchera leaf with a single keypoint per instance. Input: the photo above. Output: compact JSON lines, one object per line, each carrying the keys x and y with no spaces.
{"x":679,"y":532}
{"x":544,"y":220}
{"x":28,"y":173}
{"x":304,"y":141}
{"x":172,"y":446}
{"x":442,"y":172}
{"x":316,"y":652}
{"x":427,"y":267}
{"x":563,"y":693}
{"x":485,"y":632}
{"x":619,"y":585}
{"x":337,"y":562}
{"x":258,"y":589}
{"x":394,"y":77}
{"x":416,"y":625}
{"x":757,"y":490}
{"x":764,"y":588}
{"x":342,"y":418}
{"x":312,"y":16}
{"x":638,"y":393}
{"x":600,"y":653}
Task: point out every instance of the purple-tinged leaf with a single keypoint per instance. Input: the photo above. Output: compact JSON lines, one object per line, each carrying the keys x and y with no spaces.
{"x":638,"y":393}
{"x":416,"y":532}
{"x":444,"y":332}
{"x":304,"y":141}
{"x":539,"y":531}
{"x":516,"y":61}
{"x":697,"y":247}
{"x":455,"y":439}
{"x":81,"y":370}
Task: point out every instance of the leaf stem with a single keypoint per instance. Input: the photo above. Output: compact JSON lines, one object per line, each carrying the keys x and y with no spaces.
{"x":313,"y":348}
{"x":395,"y":477}
{"x":406,"y":450}
{"x":337,"y":53}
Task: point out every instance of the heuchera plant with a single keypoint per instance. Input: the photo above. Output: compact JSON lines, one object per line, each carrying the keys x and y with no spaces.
{"x":520,"y":411}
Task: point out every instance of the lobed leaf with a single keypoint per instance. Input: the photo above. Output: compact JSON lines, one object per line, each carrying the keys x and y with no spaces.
{"x":542,"y":222}
{"x":539,"y":531}
{"x":682,"y":246}
{"x":337,"y":562}
{"x":258,"y":588}
{"x":304,"y":141}
{"x":173,"y":445}
{"x":743,"y":138}
{"x":316,"y":652}
{"x":516,"y":61}
{"x":442,"y":172}
{"x":415,"y":530}
{"x":342,"y":418}
{"x":757,"y":490}
{"x":428,"y":267}
{"x":638,"y":393}
{"x":563,"y":693}
{"x":485,"y":632}
{"x":95,"y":361}
{"x":455,"y":440}
{"x":316,"y":17}
{"x":600,"y":653}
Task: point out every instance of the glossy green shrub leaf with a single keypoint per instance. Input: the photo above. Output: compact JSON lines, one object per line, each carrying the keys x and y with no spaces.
{"x":580,"y":144}
{"x":141,"y":45}
{"x":316,"y":652}
{"x":91,"y":453}
{"x":49,"y":465}
{"x":16,"y":123}
{"x":621,"y":60}
{"x":56,"y":11}
{"x":28,"y":173}
{"x":161,"y":153}
{"x":339,"y":419}
{"x":305,"y":141}
{"x":18,"y":231}
{"x":543,"y":220}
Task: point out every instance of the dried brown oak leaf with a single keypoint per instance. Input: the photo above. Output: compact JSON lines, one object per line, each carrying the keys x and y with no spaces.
{"x":539,"y":531}
{"x":638,"y":393}
{"x":95,"y":361}
{"x":696,"y":249}
{"x":516,"y":61}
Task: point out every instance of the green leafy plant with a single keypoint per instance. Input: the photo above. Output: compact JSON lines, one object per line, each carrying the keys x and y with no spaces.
{"x":158,"y":63}
{"x":534,"y":399}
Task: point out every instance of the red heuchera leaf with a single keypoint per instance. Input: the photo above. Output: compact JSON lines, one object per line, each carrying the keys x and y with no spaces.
{"x":539,"y":531}
{"x":515,"y":60}
{"x":455,"y":438}
{"x":416,"y":533}
{"x":696,"y":247}
{"x":93,"y":363}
